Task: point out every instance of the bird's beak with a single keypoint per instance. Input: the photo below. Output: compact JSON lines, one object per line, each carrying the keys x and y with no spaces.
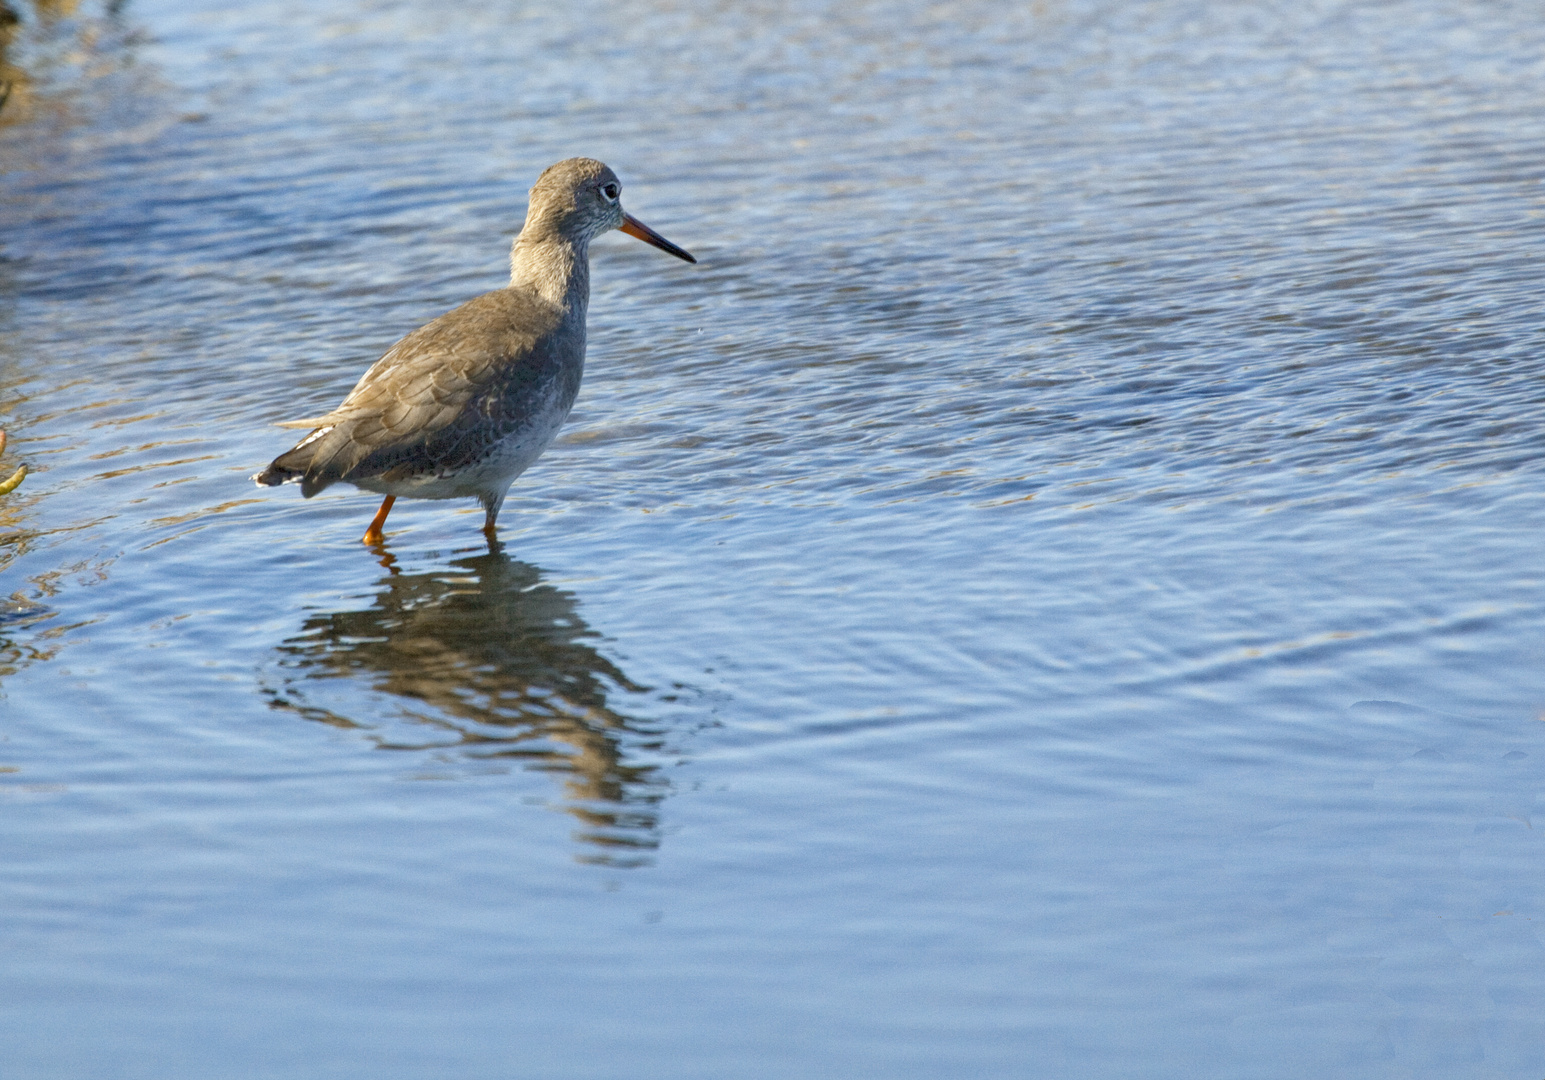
{"x":639,"y":231}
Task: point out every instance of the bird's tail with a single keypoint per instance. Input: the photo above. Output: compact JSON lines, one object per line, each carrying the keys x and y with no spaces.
{"x":299,"y":463}
{"x":277,"y":474}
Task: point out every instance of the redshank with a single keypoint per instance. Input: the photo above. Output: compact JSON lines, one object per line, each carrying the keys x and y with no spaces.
{"x":464,"y":404}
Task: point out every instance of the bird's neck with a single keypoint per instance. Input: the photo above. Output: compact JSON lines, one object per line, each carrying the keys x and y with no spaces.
{"x":556,"y":268}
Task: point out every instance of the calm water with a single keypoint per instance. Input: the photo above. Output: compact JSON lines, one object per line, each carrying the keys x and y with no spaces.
{"x":1056,"y":592}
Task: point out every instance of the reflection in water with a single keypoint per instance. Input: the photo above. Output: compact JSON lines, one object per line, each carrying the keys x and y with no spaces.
{"x":20,"y":644}
{"x":66,"y":63}
{"x":25,"y":636}
{"x":497,"y":662}
{"x":10,"y":74}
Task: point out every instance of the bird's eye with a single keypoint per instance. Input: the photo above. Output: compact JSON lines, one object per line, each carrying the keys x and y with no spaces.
{"x":611,"y":191}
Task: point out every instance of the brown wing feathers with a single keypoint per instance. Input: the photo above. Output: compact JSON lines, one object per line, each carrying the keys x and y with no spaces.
{"x":418,"y":407}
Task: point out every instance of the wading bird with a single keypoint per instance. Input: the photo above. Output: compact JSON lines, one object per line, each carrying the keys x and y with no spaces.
{"x":464,"y":404}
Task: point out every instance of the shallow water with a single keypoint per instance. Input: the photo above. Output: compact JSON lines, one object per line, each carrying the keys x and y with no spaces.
{"x":1055,"y":592}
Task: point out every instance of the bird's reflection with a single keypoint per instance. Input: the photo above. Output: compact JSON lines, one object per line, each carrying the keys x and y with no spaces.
{"x":495,"y":664}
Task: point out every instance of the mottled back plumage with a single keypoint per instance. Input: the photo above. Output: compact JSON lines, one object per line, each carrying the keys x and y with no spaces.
{"x":443,"y":396}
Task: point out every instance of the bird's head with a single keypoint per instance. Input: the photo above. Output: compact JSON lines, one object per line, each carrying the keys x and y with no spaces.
{"x":580,"y":198}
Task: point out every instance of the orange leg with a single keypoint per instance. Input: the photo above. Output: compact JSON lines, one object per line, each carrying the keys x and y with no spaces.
{"x":373,"y":535}
{"x":491,"y":515}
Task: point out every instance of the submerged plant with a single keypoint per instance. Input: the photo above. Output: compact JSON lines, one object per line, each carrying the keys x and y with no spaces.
{"x":9,"y":485}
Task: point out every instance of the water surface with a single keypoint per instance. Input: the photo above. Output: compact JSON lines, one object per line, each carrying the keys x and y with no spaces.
{"x":1055,"y":591}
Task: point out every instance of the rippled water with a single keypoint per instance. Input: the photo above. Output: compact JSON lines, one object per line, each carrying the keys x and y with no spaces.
{"x":1055,"y":592}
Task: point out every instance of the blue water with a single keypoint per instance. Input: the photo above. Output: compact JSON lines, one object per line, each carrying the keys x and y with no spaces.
{"x":1055,"y":592}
